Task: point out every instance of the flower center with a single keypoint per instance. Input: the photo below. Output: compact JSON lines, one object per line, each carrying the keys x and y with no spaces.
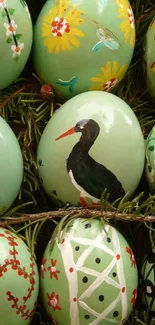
{"x":60,"y":26}
{"x":53,"y":302}
{"x":17,"y":49}
{"x":11,"y":29}
{"x":110,"y":84}
{"x":131,"y":17}
{"x":53,"y":269}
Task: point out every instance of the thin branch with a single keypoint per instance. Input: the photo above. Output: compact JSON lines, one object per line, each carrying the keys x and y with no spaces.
{"x":83,"y":213}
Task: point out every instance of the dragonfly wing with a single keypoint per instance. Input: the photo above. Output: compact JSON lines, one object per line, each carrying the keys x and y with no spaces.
{"x":98,"y":46}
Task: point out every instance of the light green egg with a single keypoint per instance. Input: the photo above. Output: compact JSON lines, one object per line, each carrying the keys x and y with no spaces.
{"x":89,"y":276}
{"x":149,"y":58}
{"x":19,"y":280}
{"x":15,"y":39}
{"x":11,"y":166}
{"x":80,"y":47}
{"x":93,"y":142}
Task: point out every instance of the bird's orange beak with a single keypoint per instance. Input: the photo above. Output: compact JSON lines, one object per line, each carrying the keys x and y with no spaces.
{"x":69,"y":132}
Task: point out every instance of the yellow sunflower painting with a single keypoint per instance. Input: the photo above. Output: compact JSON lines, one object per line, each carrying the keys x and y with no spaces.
{"x":110,"y":75}
{"x":152,"y":25}
{"x":127,"y":25}
{"x":59,"y":27}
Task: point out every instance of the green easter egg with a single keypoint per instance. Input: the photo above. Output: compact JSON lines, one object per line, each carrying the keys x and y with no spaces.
{"x":92,"y":143}
{"x":148,"y":283}
{"x":19,"y":280}
{"x":80,"y":47}
{"x":149,"y":58}
{"x":150,"y":159}
{"x":15,"y":39}
{"x":11,"y":166}
{"x":89,"y":276}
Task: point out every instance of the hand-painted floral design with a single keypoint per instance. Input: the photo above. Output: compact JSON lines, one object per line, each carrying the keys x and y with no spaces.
{"x":127,"y":26}
{"x":43,"y":268}
{"x":3,"y":3}
{"x":133,"y":300}
{"x":16,"y":49}
{"x":110,"y":75}
{"x":14,"y":263}
{"x":10,"y":28}
{"x":132,"y":258}
{"x":53,"y":271}
{"x":53,"y":301}
{"x":59,"y":28}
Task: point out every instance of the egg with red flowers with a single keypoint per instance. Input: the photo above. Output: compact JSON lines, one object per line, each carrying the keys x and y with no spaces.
{"x":19,"y":281}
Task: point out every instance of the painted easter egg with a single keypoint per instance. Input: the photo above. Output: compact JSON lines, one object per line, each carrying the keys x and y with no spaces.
{"x":15,"y":39}
{"x":148,"y":283}
{"x":150,"y":160}
{"x":19,"y":280}
{"x":89,"y":276}
{"x":149,"y":58}
{"x":78,"y":47}
{"x":11,"y":166}
{"x":92,"y":143}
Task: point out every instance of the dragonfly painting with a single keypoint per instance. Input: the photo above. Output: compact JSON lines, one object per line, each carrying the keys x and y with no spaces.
{"x":106,"y":39}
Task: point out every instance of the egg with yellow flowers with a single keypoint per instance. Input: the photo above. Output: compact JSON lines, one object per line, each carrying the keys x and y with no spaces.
{"x":80,"y":47}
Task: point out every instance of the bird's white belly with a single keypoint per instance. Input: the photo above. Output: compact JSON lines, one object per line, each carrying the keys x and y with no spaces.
{"x":83,"y":193}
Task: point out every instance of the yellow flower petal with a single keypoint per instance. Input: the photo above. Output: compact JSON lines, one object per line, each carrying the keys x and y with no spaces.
{"x":111,"y":75}
{"x":152,"y":25}
{"x":46,"y":30}
{"x":107,"y":71}
{"x":126,"y":26}
{"x":73,"y":16}
{"x":68,"y":35}
{"x":121,"y":72}
{"x":62,"y":6}
{"x":51,"y":15}
{"x":77,"y":32}
{"x":115,"y":68}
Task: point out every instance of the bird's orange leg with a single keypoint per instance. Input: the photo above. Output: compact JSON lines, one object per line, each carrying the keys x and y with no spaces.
{"x":95,"y":205}
{"x":83,"y":202}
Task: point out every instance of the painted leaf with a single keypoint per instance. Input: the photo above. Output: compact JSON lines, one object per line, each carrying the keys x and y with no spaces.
{"x":16,"y":58}
{"x":151,"y":148}
{"x":18,"y":36}
{"x":23,"y":3}
{"x":9,"y":40}
{"x":3,"y":14}
{"x":11,"y":11}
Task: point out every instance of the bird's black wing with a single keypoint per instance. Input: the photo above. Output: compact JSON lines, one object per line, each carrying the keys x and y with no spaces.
{"x":94,"y":178}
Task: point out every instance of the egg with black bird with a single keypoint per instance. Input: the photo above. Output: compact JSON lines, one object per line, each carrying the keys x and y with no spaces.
{"x":99,"y":147}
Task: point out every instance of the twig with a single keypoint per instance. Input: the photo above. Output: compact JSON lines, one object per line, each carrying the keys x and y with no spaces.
{"x":83,"y":213}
